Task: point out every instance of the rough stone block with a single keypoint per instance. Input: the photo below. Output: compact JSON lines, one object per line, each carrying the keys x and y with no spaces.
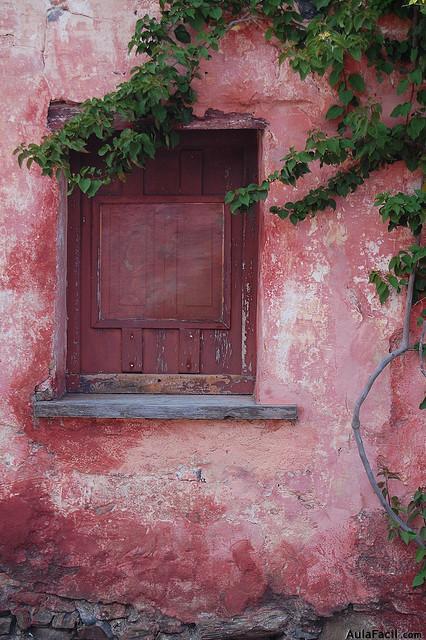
{"x":145,"y":629}
{"x":88,"y":612}
{"x":91,"y":633}
{"x":23,"y":618}
{"x":41,"y":618}
{"x":112,"y":611}
{"x":185,"y":635}
{"x":135,"y":633}
{"x":5,"y":624}
{"x":337,"y":627}
{"x":170,"y":626}
{"x":45,"y":633}
{"x":65,"y":620}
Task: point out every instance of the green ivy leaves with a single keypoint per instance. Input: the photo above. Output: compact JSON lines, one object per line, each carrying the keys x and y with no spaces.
{"x":402,"y":110}
{"x":186,"y":32}
{"x":357,"y":82}
{"x":403,"y":210}
{"x":334,"y":112}
{"x":242,"y":199}
{"x":400,"y":267}
{"x":159,"y":94}
{"x":414,"y":514}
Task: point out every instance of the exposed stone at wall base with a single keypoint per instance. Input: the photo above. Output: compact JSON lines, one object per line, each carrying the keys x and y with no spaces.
{"x":279,"y":619}
{"x":290,"y":618}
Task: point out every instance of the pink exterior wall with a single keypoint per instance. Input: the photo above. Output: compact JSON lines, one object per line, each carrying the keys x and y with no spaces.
{"x":111,"y":510}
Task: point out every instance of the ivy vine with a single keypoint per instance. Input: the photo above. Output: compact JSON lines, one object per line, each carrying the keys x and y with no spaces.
{"x":335,"y":39}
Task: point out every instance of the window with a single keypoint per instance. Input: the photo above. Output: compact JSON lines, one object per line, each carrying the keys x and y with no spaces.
{"x":162,"y":279}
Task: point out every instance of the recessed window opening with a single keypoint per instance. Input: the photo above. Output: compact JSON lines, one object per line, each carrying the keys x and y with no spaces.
{"x":162,"y":279}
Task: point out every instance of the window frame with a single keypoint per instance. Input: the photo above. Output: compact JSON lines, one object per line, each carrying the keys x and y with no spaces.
{"x":51,"y":401}
{"x":163,"y":383}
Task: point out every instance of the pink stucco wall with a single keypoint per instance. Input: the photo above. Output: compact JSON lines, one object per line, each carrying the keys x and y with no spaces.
{"x":111,"y":510}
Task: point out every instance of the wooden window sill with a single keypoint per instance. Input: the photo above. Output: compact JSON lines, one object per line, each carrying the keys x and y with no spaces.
{"x":160,"y":406}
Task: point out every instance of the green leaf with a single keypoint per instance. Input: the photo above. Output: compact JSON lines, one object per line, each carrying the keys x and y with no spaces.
{"x":334,"y":112}
{"x":215,"y":12}
{"x":415,"y":127}
{"x":420,"y":554}
{"x":235,"y":206}
{"x":402,"y":86}
{"x":412,"y":163}
{"x":401,"y":110}
{"x":182,"y":34}
{"x":387,"y":67}
{"x":321,"y":4}
{"x":357,"y":82}
{"x":84,"y":184}
{"x":406,"y":536}
{"x":229,"y":196}
{"x":416,"y":76}
{"x":335,"y":75}
{"x":356,"y":53}
{"x":419,"y":579}
{"x":422,"y":405}
{"x":359,"y":20}
{"x":345,"y":96}
{"x":383,"y":292}
{"x":394,"y":282}
{"x":94,"y":188}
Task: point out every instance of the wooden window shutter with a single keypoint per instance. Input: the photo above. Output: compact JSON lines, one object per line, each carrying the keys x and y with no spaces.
{"x":162,"y":278}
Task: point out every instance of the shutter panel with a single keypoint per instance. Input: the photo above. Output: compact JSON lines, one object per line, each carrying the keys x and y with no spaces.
{"x":166,"y":278}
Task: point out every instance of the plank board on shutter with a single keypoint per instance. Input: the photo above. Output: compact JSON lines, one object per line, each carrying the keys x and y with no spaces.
{"x":73,"y":276}
{"x":131,"y":350}
{"x":191,"y":171}
{"x":166,"y":180}
{"x":161,"y":350}
{"x":189,"y":351}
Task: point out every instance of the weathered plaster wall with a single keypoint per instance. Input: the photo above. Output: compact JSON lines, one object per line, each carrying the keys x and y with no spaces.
{"x":113,"y":511}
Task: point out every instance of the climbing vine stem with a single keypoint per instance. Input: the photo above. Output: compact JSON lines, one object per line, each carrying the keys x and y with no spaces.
{"x":356,"y":422}
{"x":334,"y":39}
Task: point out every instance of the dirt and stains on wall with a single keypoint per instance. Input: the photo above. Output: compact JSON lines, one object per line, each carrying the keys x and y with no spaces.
{"x":193,"y":521}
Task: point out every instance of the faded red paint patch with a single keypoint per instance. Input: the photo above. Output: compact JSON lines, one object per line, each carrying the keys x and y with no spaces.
{"x":115,"y":557}
{"x":89,"y":446}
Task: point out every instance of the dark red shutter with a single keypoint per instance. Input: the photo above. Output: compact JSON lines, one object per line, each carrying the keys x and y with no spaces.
{"x":162,"y":279}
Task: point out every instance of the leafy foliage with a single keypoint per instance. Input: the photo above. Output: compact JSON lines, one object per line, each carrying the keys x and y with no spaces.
{"x":414,"y":514}
{"x":400,"y":267}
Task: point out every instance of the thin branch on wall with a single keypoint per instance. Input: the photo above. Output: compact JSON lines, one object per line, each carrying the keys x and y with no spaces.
{"x":356,"y":421}
{"x":422,"y":346}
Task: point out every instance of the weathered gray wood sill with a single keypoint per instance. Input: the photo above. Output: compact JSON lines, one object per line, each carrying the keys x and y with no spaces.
{"x":160,"y":406}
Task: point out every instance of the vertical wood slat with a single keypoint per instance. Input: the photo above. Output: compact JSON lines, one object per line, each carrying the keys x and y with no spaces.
{"x":189,"y":350}
{"x":73,"y":291}
{"x":100,"y":348}
{"x":221,"y":349}
{"x":191,"y":171}
{"x":166,"y":181}
{"x":251,"y":235}
{"x":167,"y":350}
{"x":131,"y":350}
{"x":161,"y":350}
